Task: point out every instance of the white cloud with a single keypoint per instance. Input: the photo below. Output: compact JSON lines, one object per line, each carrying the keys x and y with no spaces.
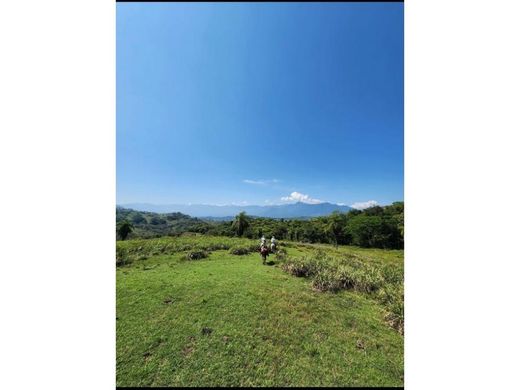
{"x":299,"y":197}
{"x":261,"y":182}
{"x":364,"y":205}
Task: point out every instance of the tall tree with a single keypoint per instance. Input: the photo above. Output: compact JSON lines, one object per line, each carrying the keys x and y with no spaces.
{"x":335,"y":225}
{"x":241,"y":223}
{"x":124,"y":228}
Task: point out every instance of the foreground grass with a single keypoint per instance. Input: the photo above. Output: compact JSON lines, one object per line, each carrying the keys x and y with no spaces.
{"x":227,"y":320}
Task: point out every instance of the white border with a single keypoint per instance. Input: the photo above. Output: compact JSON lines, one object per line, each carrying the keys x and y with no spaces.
{"x":462,"y":111}
{"x":57,"y":155}
{"x":57,"y":145}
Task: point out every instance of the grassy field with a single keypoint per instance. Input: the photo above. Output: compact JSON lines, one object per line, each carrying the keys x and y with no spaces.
{"x":228,"y":320}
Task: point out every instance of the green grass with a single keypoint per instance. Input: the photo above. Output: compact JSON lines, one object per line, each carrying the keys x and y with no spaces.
{"x":228,"y":320}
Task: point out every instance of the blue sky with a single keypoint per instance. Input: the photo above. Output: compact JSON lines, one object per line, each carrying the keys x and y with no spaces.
{"x":250,"y":103}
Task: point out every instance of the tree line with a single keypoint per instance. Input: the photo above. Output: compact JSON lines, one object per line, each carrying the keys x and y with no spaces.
{"x":375,"y":227}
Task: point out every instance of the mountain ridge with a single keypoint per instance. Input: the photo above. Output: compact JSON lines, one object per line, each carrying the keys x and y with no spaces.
{"x":290,"y":210}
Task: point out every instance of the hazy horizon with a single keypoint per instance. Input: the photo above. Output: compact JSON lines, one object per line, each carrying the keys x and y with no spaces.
{"x":357,"y":205}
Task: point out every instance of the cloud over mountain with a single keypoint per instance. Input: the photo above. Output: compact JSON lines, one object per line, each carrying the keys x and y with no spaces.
{"x":364,"y":205}
{"x":299,"y":197}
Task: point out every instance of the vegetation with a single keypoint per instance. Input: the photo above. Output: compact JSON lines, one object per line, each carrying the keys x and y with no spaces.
{"x":383,"y":282}
{"x":196,"y":255}
{"x":240,"y":224}
{"x":375,"y":227}
{"x":153,"y":225}
{"x":244,"y":250}
{"x":124,"y":228}
{"x":227,"y":320}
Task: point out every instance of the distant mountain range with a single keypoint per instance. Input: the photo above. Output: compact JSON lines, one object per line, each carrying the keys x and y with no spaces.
{"x":291,"y":210}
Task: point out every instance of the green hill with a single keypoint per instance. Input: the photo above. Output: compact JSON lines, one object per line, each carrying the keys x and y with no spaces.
{"x":148,"y":224}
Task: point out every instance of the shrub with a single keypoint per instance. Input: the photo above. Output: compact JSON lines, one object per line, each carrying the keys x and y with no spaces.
{"x":367,"y":279}
{"x":240,"y":250}
{"x":326,"y":280}
{"x":303,"y":267}
{"x":393,"y":274}
{"x":295,"y":267}
{"x":216,"y":247}
{"x":122,"y":256}
{"x":345,"y":275}
{"x":281,"y":251}
{"x":196,"y":255}
{"x":281,"y":255}
{"x":392,"y":297}
{"x":395,"y":316}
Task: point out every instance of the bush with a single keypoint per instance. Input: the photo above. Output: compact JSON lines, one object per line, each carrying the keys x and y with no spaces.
{"x":196,"y":255}
{"x":392,"y":297}
{"x":122,"y":257}
{"x":281,"y":255}
{"x":327,"y":280}
{"x":181,"y":248}
{"x":216,"y":247}
{"x":331,"y":274}
{"x":303,"y":267}
{"x":240,"y":250}
{"x":345,"y":275}
{"x":368,"y":279}
{"x":393,"y":274}
{"x":281,"y":251}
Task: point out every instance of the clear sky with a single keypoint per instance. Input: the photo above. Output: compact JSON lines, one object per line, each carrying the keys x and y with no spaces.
{"x":250,"y":103}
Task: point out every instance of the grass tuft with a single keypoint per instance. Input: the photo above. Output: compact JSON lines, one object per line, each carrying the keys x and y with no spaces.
{"x":196,"y":255}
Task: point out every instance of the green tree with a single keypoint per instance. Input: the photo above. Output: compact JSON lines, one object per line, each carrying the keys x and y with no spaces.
{"x":124,"y":228}
{"x":241,"y":223}
{"x":335,"y":226}
{"x":369,"y":231}
{"x":310,"y":233}
{"x":155,"y":220}
{"x":138,"y":218}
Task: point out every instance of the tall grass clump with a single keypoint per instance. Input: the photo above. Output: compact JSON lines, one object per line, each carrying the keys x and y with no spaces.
{"x":360,"y":278}
{"x":129,"y":251}
{"x":381,"y":282}
{"x":216,"y":246}
{"x":196,"y":255}
{"x":392,"y":297}
{"x":303,"y":267}
{"x":122,"y":257}
{"x":281,"y":255}
{"x":240,"y":250}
{"x":327,"y":280}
